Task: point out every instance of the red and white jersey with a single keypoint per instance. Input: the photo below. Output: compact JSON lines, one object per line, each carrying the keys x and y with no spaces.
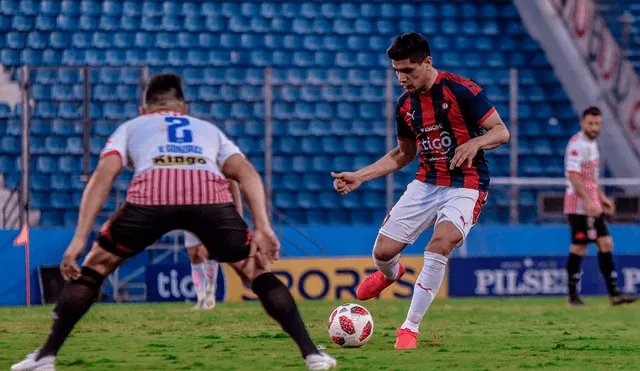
{"x":582,"y":157}
{"x":177,"y":159}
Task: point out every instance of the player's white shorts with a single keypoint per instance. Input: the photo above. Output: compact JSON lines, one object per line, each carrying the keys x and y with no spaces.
{"x":190,"y":239}
{"x":424,"y":205}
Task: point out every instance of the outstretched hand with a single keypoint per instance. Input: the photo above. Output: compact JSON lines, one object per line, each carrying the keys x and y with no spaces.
{"x":346,"y":182}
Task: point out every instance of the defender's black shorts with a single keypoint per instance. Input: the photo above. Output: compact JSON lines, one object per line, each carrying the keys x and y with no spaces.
{"x":585,"y":229}
{"x":220,"y":228}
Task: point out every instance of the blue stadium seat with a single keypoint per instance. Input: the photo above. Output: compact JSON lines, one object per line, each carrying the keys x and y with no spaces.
{"x":46,"y":164}
{"x":70,"y":219}
{"x":37,"y":40}
{"x":7,"y":164}
{"x":61,"y":200}
{"x":306,"y":200}
{"x":385,"y":27}
{"x":10,"y":57}
{"x":36,"y":146}
{"x":55,"y":145}
{"x":5,"y":23}
{"x":50,"y":219}
{"x":329,"y":200}
{"x":69,"y":164}
{"x":39,"y":200}
{"x":22,"y":23}
{"x":75,"y":146}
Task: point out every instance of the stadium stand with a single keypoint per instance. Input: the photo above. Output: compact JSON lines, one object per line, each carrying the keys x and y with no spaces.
{"x":329,"y":71}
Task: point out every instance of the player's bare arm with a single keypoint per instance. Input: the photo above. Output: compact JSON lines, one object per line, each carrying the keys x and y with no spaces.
{"x":607,"y":204}
{"x":93,"y":198}
{"x":496,"y":135}
{"x":395,"y":160}
{"x":236,"y":195}
{"x":264,"y":240}
{"x":581,"y":191}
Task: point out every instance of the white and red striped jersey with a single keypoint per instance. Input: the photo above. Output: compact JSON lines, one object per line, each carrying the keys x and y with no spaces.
{"x":177,"y":159}
{"x":582,"y":157}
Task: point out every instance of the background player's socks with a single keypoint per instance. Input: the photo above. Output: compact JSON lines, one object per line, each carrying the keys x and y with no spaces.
{"x":211,"y":267}
{"x":280,"y":305}
{"x":74,"y":301}
{"x":199,"y":277}
{"x":426,"y":287}
{"x":388,"y":268}
{"x":573,"y":272}
{"x":605,"y":261}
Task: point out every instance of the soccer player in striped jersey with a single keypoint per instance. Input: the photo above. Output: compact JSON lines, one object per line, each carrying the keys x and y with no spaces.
{"x":204,"y":271}
{"x":450,"y":121}
{"x":585,"y":206}
{"x":180,"y":182}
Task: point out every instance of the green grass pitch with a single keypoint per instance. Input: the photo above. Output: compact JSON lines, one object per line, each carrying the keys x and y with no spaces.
{"x":486,"y":334}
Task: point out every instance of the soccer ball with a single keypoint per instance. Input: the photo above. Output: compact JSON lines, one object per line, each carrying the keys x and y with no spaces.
{"x":350,"y":326}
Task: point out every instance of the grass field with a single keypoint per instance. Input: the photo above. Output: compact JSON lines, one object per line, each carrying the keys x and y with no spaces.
{"x":456,"y":334}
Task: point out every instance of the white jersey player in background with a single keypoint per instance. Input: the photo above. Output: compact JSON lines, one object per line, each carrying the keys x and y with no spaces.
{"x":204,"y":272}
{"x":585,"y":206}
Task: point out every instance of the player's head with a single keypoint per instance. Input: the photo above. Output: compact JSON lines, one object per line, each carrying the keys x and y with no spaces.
{"x":591,"y":122}
{"x":164,"y":93}
{"x":411,"y":59}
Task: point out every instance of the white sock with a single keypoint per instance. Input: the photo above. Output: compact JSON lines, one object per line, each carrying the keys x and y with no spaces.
{"x":426,"y":288}
{"x":388,"y":268}
{"x":212,"y":273}
{"x":199,"y":276}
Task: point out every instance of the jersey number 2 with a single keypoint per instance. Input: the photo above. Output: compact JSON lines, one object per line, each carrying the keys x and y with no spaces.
{"x":179,"y":136}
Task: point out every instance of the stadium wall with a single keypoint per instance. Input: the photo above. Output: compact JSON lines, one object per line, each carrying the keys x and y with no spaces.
{"x":47,"y":246}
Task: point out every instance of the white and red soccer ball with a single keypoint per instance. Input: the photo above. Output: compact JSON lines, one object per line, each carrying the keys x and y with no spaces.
{"x":350,"y":326}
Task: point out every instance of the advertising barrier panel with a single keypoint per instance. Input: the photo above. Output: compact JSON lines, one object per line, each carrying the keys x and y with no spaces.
{"x":331,"y":279}
{"x":172,"y":282}
{"x":535,"y":276}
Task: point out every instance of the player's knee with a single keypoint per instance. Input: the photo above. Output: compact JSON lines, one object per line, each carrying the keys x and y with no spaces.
{"x":441,"y":246}
{"x":605,"y":245}
{"x":580,"y":250}
{"x":101,"y":260}
{"x":197,"y":254}
{"x":383,"y":255}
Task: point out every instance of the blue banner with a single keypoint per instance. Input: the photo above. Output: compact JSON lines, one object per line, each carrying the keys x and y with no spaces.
{"x":173,"y":282}
{"x":535,"y":276}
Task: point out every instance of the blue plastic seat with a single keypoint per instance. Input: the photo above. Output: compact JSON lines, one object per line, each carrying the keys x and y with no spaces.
{"x":50,"y":219}
{"x":61,"y":200}
{"x":36,"y":40}
{"x":306,"y":200}
{"x":69,"y":164}
{"x":46,"y":164}
{"x":283,"y":200}
{"x":7,"y":164}
{"x":55,"y":145}
{"x":70,"y":219}
{"x":39,"y":200}
{"x":367,"y":10}
{"x":329,"y":200}
{"x":111,"y":8}
{"x":75,"y":146}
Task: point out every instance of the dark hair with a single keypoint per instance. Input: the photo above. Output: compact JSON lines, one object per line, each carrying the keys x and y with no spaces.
{"x":410,"y":45}
{"x":164,"y":88}
{"x":593,"y":111}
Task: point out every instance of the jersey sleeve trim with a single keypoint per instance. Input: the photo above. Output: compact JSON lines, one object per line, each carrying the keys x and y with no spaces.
{"x":569,"y":171}
{"x":486,"y":116}
{"x":402,"y":139}
{"x":111,"y":153}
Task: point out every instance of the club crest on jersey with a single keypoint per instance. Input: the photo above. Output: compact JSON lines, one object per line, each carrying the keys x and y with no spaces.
{"x":445,"y":105}
{"x":168,"y":160}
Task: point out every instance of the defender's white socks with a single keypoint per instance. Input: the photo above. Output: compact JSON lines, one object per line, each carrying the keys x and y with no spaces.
{"x":388,"y":268}
{"x":426,"y":287}
{"x":199,"y":276}
{"x":212,"y":273}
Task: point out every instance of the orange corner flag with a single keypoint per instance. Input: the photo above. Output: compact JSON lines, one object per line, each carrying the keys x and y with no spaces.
{"x":23,"y":237}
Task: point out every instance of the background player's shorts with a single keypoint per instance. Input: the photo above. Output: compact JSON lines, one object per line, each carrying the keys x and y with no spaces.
{"x":190,"y":240}
{"x":423,"y":205}
{"x":220,"y":228}
{"x":585,"y":229}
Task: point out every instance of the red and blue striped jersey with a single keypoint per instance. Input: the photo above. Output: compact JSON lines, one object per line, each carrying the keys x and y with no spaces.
{"x":440,"y":119}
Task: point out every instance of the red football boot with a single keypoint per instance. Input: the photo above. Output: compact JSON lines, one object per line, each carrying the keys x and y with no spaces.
{"x":373,"y":285}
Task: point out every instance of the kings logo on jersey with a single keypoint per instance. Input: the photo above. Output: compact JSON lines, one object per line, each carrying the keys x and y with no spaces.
{"x":168,"y":160}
